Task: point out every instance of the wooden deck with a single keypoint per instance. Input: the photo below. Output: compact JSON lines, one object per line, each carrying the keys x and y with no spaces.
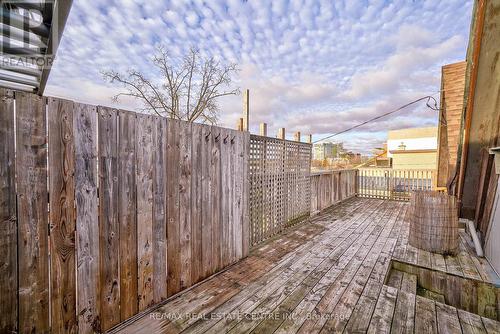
{"x":325,"y":276}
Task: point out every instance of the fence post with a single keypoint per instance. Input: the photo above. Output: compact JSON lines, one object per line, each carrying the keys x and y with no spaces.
{"x":9,"y":229}
{"x":246,"y":109}
{"x":296,"y":136}
{"x":239,"y":124}
{"x":263,"y":129}
{"x":281,"y":133}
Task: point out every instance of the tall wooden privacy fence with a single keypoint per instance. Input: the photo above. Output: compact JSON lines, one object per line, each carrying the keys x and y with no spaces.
{"x":134,"y":209}
{"x":395,"y":184}
{"x":279,"y":185}
{"x":331,"y":187}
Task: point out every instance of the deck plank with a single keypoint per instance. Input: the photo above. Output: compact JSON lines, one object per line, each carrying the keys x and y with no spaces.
{"x":471,"y":323}
{"x":344,"y":309}
{"x":341,"y":256}
{"x":382,"y":317}
{"x":361,"y":316}
{"x":335,"y":292}
{"x":267,"y":254}
{"x":425,"y":316}
{"x":325,"y":275}
{"x":447,"y":319}
{"x":491,"y":326}
{"x":404,"y":313}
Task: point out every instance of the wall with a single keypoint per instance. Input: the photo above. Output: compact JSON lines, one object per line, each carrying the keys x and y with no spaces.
{"x":140,"y":208}
{"x":417,"y":160}
{"x":492,"y":236}
{"x":450,"y":120}
{"x":413,"y":138}
{"x":482,"y":124}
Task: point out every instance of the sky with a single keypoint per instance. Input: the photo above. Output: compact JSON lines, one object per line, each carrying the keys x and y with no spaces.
{"x":314,"y":66}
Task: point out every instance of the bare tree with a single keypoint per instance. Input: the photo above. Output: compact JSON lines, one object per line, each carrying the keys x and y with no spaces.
{"x":189,"y":89}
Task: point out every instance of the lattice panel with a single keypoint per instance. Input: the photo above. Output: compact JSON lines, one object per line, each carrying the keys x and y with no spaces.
{"x":280,"y":187}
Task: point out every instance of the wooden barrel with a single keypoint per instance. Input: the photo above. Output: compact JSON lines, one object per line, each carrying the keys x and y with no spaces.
{"x":433,"y":222}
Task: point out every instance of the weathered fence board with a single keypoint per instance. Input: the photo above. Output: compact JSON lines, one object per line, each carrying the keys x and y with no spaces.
{"x":87,"y":223}
{"x":108,"y":217}
{"x":8,"y":221}
{"x":144,"y":183}
{"x":206,"y":198}
{"x":62,"y":215}
{"x":245,"y":197}
{"x":280,"y":185}
{"x":173,"y":225}
{"x":331,"y":187}
{"x":185,"y":205}
{"x":197,"y":202}
{"x":127,"y":214}
{"x":31,"y":162}
{"x":226,"y":198}
{"x":140,"y":208}
{"x":159,"y":210}
{"x":215,"y":177}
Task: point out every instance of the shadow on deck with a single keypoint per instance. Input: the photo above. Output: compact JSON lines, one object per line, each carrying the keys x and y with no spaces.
{"x":327,"y":275}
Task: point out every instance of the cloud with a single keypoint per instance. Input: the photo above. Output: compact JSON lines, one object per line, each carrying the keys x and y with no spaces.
{"x":400,"y":68}
{"x":311,"y":65}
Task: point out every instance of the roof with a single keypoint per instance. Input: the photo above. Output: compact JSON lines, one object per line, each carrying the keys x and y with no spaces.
{"x":30,"y":35}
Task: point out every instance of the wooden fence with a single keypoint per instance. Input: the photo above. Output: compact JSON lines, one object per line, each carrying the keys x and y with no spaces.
{"x":280,"y":185}
{"x":395,"y":184}
{"x":331,"y":187}
{"x":134,"y":209}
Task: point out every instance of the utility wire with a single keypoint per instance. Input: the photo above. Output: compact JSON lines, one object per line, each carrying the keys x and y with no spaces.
{"x":428,"y":97}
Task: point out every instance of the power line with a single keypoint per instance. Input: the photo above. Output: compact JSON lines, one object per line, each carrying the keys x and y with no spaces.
{"x":428,"y":97}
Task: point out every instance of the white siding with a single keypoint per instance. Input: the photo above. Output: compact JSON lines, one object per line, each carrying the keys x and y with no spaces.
{"x":424,"y":143}
{"x":492,"y":244}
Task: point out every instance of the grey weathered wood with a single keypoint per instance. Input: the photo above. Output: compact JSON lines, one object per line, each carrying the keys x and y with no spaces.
{"x":215,"y":177}
{"x":137,"y":213}
{"x":280,"y":191}
{"x":159,"y":210}
{"x":447,"y":319}
{"x":173,"y":225}
{"x":62,"y":215}
{"x":471,"y":323}
{"x":226,"y":198}
{"x":409,"y":283}
{"x":245,"y":200}
{"x":425,"y":316}
{"x":8,"y":220}
{"x":404,"y":313}
{"x":434,"y":222}
{"x":238,"y":176}
{"x":144,"y":183}
{"x":196,"y":203}
{"x":185,"y":204}
{"x":206,"y":205}
{"x":491,"y":326}
{"x":108,"y":216}
{"x":246,"y":110}
{"x":382,"y":317}
{"x":329,"y":188}
{"x":87,"y":225}
{"x":31,"y":162}
{"x":127,"y":214}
